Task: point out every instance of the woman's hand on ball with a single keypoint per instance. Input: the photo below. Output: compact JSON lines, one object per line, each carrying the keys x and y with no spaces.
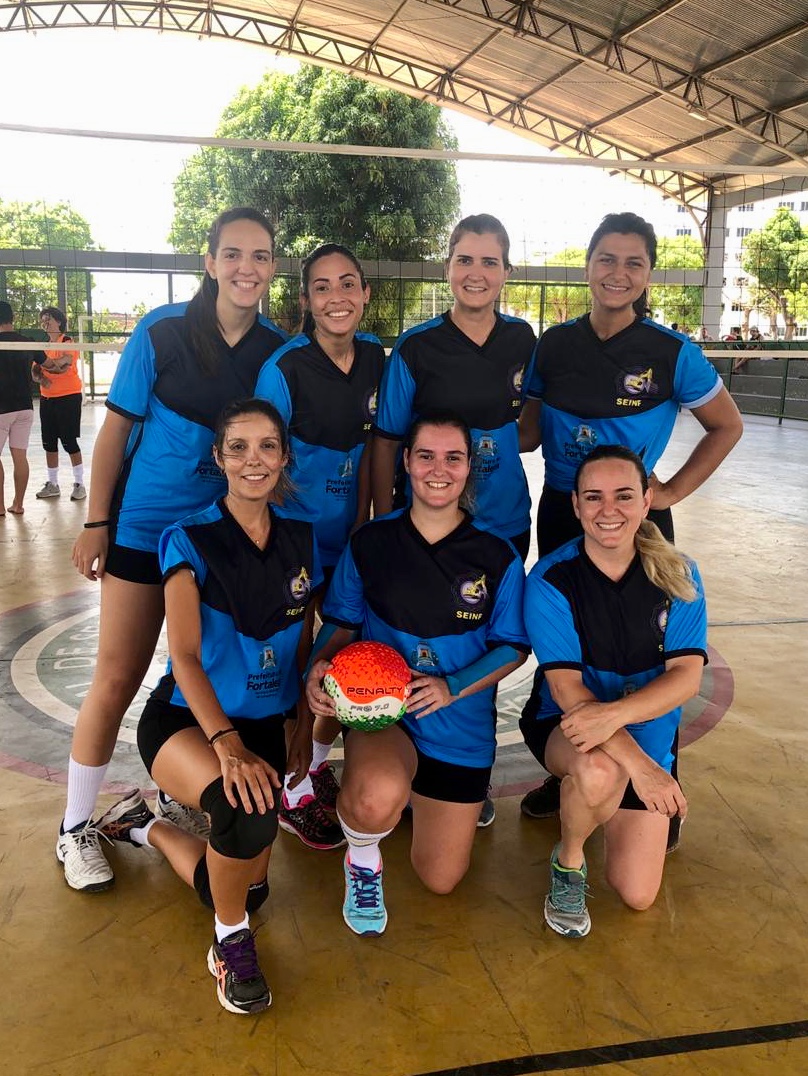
{"x":427,"y":694}
{"x":320,"y":702}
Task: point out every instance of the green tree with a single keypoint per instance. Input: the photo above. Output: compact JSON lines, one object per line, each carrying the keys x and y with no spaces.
{"x":33,"y":226}
{"x":776,"y":255}
{"x":382,"y":208}
{"x":676,"y":302}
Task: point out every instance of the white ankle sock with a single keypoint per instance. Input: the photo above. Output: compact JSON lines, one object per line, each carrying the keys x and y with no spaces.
{"x":363,"y":848}
{"x":223,"y":930}
{"x":293,"y":796}
{"x":78,"y":473}
{"x":53,"y":475}
{"x":319,"y":754}
{"x":83,"y":785}
{"x":141,"y":835}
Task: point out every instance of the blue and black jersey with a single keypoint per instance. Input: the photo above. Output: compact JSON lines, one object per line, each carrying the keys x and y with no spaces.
{"x":442,"y":607}
{"x":253,"y":605}
{"x":435,"y":365}
{"x":329,"y":414}
{"x":168,"y":468}
{"x":625,"y":391}
{"x":617,"y":634}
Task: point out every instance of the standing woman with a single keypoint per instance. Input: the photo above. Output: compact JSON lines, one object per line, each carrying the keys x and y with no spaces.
{"x":152,"y":465}
{"x":59,"y":406}
{"x":613,"y":376}
{"x":238,"y":583}
{"x":445,"y":593}
{"x":325,"y":383}
{"x":618,"y":622}
{"x":473,"y":360}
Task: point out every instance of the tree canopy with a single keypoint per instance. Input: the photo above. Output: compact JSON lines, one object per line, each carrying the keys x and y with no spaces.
{"x":380,"y":207}
{"x":676,"y":302}
{"x":32,"y":226}
{"x":776,"y":255}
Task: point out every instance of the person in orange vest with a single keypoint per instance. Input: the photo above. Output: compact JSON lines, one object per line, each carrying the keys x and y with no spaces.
{"x":60,"y":407}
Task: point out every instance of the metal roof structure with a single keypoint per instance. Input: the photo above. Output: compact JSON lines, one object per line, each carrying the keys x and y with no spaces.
{"x":699,"y":93}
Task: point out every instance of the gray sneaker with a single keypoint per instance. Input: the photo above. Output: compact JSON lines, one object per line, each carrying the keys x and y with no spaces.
{"x":50,"y":489}
{"x":565,"y":906}
{"x":79,"y":492}
{"x":192,"y":821}
{"x":488,"y":811}
{"x":86,"y":867}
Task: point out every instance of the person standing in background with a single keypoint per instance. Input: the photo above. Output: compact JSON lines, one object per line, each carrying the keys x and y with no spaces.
{"x":60,"y":407}
{"x":16,"y":407}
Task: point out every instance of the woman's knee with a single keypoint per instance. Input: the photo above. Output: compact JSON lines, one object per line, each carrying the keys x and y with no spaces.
{"x":234,"y":833}
{"x":438,"y":877}
{"x":371,"y":802}
{"x":597,"y":777}
{"x":638,"y":894}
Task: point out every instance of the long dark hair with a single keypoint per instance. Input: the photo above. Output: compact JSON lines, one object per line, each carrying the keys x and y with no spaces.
{"x":323,"y":251}
{"x":628,"y":224}
{"x":203,"y":321}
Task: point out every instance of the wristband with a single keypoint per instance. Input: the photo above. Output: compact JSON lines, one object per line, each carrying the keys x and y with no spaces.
{"x":218,"y":735}
{"x":98,"y":523}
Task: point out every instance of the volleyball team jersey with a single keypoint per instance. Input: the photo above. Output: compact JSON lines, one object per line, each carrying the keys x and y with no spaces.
{"x":168,"y":469}
{"x":617,"y":634}
{"x":435,"y":365}
{"x":442,"y":607}
{"x":253,"y":605}
{"x":64,"y":383}
{"x":329,"y":414}
{"x":622,"y":391}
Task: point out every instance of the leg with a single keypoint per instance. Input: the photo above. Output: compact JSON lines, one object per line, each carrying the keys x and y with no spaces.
{"x":442,"y":838}
{"x":2,"y":490}
{"x":21,"y":475}
{"x":635,"y":855}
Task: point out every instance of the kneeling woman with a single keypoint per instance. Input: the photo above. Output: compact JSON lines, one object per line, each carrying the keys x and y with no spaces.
{"x":618,"y":622}
{"x":446,"y":594}
{"x":238,"y":582}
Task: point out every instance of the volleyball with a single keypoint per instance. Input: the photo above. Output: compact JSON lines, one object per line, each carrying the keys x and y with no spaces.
{"x":369,"y":683}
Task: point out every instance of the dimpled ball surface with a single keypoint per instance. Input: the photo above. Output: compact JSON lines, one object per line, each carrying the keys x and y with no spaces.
{"x":368,"y":683}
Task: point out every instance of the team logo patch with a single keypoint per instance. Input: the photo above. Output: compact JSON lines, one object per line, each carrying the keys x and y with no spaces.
{"x":423,"y":657}
{"x":346,"y":468}
{"x":471,"y":592}
{"x":585,"y":435}
{"x":298,"y":586}
{"x":517,"y":376}
{"x":372,"y":403}
{"x":638,"y":382}
{"x":267,"y":658}
{"x":659,"y":621}
{"x":486,"y":447}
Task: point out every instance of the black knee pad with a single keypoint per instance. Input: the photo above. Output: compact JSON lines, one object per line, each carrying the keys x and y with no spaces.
{"x":234,"y":833}
{"x":71,"y":447}
{"x":256,"y":894}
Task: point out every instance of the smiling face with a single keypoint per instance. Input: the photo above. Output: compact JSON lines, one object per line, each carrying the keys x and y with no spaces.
{"x":438,"y":465}
{"x":243,"y":266}
{"x":251,"y":456}
{"x":50,"y":325}
{"x":618,"y":271}
{"x":336,"y":298}
{"x":476,"y":271}
{"x":610,"y":504}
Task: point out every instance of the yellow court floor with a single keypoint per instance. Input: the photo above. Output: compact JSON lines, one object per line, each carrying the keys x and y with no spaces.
{"x":711,"y":981}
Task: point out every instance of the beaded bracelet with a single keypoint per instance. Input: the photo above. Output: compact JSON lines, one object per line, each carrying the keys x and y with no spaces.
{"x":98,"y":523}
{"x":218,"y":735}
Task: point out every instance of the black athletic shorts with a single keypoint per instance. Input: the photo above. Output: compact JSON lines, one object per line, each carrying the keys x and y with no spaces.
{"x":536,"y":733}
{"x":60,"y":419}
{"x":557,"y":524}
{"x":133,"y":565}
{"x":161,"y":720}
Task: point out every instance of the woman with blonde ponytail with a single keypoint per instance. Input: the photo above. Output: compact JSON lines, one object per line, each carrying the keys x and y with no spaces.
{"x":618,"y":622}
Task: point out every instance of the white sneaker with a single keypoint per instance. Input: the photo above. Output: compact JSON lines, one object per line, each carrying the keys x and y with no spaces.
{"x":79,"y":492}
{"x":86,"y":868}
{"x":194,"y":822}
{"x":50,"y":489}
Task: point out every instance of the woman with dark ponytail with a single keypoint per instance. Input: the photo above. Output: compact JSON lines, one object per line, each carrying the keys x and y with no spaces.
{"x":152,"y":465}
{"x":618,"y":622}
{"x":325,"y":384}
{"x":614,"y":376}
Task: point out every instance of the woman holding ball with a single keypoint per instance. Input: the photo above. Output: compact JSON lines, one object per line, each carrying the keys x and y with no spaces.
{"x":452,"y":609}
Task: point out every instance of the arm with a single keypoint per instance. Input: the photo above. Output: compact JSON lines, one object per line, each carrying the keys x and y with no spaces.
{"x":246,"y":776}
{"x":723,"y":427}
{"x":383,"y":473}
{"x":431,"y":693}
{"x":363,"y":485}
{"x":530,"y":426}
{"x":91,"y":546}
{"x":300,"y":742}
{"x":330,"y":640}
